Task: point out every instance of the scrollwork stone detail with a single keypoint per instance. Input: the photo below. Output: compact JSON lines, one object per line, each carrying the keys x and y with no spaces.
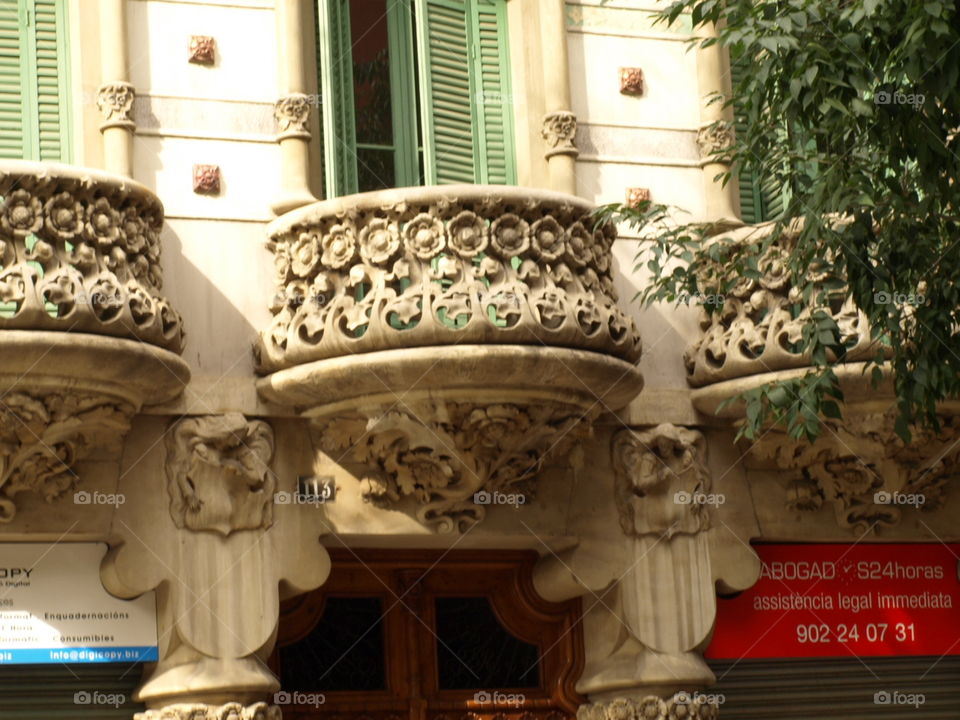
{"x":422,"y":268}
{"x":453,"y":462}
{"x":680,"y":706}
{"x":864,"y":470}
{"x":292,"y":113}
{"x":82,"y":252}
{"x":43,"y":436}
{"x":218,"y":477}
{"x":559,"y":130}
{"x":115,"y":102}
{"x":715,"y":141}
{"x":202,"y":711}
{"x":759,"y":328}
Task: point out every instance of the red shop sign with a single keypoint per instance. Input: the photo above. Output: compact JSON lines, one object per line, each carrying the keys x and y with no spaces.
{"x":844,"y":601}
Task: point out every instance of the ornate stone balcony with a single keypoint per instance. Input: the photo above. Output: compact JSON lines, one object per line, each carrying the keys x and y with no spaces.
{"x":477,"y":324}
{"x":759,"y":332}
{"x":858,"y":469}
{"x":85,"y":337}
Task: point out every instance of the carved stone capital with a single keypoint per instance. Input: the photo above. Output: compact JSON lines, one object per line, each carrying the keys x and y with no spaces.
{"x":292,"y":113}
{"x":715,"y":140}
{"x":201,"y":711}
{"x":43,"y":435}
{"x":559,"y":130}
{"x":662,"y":484}
{"x":218,"y":477}
{"x":680,"y":706}
{"x":864,"y":470}
{"x":115,"y":101}
{"x":453,"y":458}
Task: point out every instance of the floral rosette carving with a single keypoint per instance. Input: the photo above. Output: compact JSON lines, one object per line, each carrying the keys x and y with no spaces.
{"x":434,"y":269}
{"x":681,"y":706}
{"x":88,"y":244}
{"x":339,"y":247}
{"x":424,"y":236}
{"x":379,"y":241}
{"x":468,"y":234}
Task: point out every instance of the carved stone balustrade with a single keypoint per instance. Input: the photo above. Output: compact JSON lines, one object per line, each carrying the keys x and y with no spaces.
{"x":451,"y":338}
{"x":85,"y":337}
{"x":758,"y":331}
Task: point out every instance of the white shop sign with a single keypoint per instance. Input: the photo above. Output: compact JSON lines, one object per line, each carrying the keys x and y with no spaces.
{"x":53,"y":609}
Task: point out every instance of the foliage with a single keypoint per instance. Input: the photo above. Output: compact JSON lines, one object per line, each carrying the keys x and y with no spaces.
{"x":854,"y":106}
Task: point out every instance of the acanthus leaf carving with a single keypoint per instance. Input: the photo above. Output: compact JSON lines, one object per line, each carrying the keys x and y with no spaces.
{"x":560,"y":130}
{"x":449,"y":456}
{"x":115,"y":102}
{"x":715,"y":141}
{"x":864,"y":469}
{"x":292,"y":113}
{"x":42,"y":437}
{"x":218,"y":476}
{"x":660,"y":478}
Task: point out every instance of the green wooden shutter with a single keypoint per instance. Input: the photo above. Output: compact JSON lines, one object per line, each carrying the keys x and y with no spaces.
{"x":465,"y":91}
{"x":50,"y":47}
{"x":12,"y":111}
{"x":492,"y":77}
{"x":34,"y":107}
{"x":336,"y":88}
{"x":446,"y":92}
{"x":762,"y":198}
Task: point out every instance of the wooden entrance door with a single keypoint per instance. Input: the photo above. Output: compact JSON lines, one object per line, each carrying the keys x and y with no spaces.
{"x":424,"y":635}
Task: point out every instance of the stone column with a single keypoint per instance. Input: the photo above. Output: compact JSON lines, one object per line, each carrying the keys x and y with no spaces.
{"x":716,"y":130}
{"x":292,"y":110}
{"x":559,"y":124}
{"x":115,"y":94}
{"x":654,"y":604}
{"x":217,"y":559}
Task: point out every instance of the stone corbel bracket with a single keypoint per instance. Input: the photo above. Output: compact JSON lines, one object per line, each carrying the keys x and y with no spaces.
{"x":215,"y":632}
{"x":661,"y":583}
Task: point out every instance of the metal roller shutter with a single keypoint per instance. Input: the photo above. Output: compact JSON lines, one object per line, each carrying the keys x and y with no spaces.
{"x":837,"y":688}
{"x":55,"y":692}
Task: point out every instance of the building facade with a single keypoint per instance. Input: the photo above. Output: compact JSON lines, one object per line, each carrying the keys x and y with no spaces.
{"x":314,"y":354}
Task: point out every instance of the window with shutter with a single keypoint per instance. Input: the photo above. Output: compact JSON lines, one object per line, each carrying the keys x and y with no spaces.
{"x":34,"y":111}
{"x":762,"y":198}
{"x":395,"y":73}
